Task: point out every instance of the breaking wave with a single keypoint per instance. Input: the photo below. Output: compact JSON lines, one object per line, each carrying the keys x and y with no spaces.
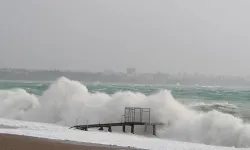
{"x":67,"y":101}
{"x":224,"y":107}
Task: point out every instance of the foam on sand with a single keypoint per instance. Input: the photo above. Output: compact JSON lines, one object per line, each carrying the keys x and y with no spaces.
{"x":56,"y":132}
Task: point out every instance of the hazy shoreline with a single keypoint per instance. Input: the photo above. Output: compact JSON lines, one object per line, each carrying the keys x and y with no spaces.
{"x":120,"y":77}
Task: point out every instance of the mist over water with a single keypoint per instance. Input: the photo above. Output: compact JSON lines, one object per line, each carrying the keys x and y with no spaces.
{"x":66,"y":101}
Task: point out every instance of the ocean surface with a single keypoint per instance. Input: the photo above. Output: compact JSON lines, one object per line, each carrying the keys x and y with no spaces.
{"x":200,"y":114}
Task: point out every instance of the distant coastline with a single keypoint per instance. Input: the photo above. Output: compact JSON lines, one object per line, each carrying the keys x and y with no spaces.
{"x":120,"y":77}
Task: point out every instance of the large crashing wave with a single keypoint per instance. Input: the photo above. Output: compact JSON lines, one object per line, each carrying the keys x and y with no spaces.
{"x":66,"y":102}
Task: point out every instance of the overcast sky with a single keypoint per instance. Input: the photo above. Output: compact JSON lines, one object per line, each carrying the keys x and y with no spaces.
{"x":205,"y":36}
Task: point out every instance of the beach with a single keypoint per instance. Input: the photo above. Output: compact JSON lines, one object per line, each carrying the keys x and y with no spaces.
{"x":17,"y":142}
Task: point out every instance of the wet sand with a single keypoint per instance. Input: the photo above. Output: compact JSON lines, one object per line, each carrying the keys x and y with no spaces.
{"x":16,"y":142}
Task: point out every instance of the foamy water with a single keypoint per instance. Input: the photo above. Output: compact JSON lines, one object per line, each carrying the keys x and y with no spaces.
{"x":67,"y":101}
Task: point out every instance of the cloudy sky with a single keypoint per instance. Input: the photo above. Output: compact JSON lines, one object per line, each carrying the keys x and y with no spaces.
{"x":205,"y":36}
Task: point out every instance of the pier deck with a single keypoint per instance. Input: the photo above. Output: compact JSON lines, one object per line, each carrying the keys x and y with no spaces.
{"x":129,"y":120}
{"x":122,"y":124}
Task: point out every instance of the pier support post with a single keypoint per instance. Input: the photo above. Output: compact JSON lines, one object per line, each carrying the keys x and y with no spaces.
{"x":124,"y":128}
{"x":133,"y":128}
{"x":145,"y":128}
{"x":101,"y":128}
{"x":110,"y":129}
{"x":154,"y":129}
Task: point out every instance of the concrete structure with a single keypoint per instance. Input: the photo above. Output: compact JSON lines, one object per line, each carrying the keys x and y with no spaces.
{"x":131,"y":71}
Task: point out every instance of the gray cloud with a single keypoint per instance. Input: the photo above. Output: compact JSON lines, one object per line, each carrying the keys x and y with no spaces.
{"x":169,"y":36}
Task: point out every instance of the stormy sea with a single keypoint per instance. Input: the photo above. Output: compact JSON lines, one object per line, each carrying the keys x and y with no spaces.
{"x":211,"y":115}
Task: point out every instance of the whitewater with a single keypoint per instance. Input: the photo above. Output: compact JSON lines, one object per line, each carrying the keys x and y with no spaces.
{"x":67,"y":102}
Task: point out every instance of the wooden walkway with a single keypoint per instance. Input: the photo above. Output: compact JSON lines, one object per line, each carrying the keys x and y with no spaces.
{"x":133,"y":116}
{"x":122,"y":124}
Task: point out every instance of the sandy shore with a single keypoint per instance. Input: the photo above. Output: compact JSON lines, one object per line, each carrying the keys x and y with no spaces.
{"x":16,"y":142}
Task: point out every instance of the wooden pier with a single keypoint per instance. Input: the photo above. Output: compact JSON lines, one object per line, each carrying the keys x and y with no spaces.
{"x":133,"y":117}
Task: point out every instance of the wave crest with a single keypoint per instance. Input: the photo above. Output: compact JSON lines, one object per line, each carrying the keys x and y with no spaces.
{"x":224,"y":107}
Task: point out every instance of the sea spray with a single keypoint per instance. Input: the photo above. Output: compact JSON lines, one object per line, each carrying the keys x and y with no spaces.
{"x":66,"y":101}
{"x":16,"y":103}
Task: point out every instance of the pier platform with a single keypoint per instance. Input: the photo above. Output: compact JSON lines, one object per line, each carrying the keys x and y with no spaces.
{"x":134,"y":116}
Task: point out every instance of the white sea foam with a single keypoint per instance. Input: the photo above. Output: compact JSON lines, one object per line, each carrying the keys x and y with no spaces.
{"x":67,"y":101}
{"x":57,"y":132}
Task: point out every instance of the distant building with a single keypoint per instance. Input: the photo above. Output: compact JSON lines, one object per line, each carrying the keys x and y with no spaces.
{"x":108,"y":71}
{"x":131,"y":71}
